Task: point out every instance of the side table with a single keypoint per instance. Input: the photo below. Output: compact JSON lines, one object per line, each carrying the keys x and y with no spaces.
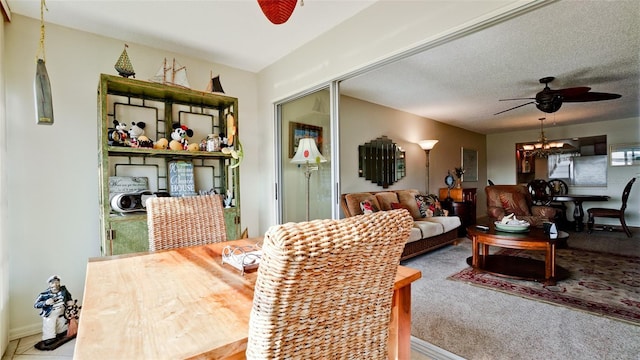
{"x":460,"y":202}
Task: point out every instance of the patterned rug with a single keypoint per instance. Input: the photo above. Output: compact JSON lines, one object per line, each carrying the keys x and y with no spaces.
{"x":599,"y":283}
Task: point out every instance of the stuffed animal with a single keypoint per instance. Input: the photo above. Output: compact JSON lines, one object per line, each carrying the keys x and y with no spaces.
{"x":161,"y":144}
{"x":137,"y":130}
{"x":145,"y":142}
{"x":193,"y":147}
{"x":118,"y":135}
{"x":179,"y":137}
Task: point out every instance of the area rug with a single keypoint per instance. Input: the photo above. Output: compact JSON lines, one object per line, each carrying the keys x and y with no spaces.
{"x":599,"y":283}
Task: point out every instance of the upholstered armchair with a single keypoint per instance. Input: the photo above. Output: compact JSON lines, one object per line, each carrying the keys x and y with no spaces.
{"x":515,"y":199}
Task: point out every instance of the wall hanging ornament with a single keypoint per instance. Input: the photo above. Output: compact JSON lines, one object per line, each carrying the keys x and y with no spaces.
{"x":42,"y":85}
{"x":278,"y":11}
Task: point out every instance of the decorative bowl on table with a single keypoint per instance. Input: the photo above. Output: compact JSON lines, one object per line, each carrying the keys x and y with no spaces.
{"x":512,"y":226}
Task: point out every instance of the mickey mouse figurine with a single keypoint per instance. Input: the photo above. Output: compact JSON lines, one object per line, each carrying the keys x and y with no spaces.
{"x":118,"y":134}
{"x":136,"y":131}
{"x":179,"y":137}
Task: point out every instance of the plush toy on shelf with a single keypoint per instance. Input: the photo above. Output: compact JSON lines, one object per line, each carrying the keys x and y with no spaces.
{"x":145,"y":142}
{"x":161,"y":144}
{"x":136,"y":131}
{"x":138,"y":139}
{"x":179,"y":137}
{"x":117,"y":134}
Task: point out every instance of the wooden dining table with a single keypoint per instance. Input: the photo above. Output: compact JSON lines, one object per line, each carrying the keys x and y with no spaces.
{"x":578,"y":211}
{"x":185,"y":304}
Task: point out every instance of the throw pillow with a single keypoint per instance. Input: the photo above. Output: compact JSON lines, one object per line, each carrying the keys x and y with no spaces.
{"x":396,"y":206}
{"x":367,"y":207}
{"x":429,"y":205}
{"x":514,"y":202}
{"x":423,"y":202}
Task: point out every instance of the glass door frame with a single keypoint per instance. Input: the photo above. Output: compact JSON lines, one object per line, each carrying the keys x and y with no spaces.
{"x":333,"y":135}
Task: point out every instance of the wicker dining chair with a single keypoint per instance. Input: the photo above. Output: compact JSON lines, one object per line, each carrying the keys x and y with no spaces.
{"x":324,"y":288}
{"x":175,"y":222}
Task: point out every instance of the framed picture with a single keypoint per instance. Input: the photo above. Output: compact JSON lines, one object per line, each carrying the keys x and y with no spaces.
{"x":624,"y":154}
{"x":470,"y":165}
{"x":298,"y":131}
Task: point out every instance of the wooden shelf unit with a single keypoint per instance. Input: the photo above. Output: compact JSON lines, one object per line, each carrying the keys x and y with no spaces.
{"x":160,"y":106}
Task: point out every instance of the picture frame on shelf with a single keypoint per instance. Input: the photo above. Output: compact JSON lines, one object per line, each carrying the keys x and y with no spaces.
{"x":470,"y":165}
{"x":298,"y":131}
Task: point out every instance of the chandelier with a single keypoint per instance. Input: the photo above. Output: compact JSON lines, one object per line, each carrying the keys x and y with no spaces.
{"x":543,"y":148}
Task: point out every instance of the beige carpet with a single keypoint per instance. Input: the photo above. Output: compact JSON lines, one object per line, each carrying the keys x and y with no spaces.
{"x":478,"y":323}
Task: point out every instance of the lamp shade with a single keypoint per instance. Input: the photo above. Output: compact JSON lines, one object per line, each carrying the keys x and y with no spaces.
{"x":307,"y":152}
{"x":277,"y":11}
{"x":427,"y":144}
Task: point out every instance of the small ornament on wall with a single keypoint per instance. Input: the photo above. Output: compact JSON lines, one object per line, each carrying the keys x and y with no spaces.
{"x":42,"y":85}
{"x":123,"y":65}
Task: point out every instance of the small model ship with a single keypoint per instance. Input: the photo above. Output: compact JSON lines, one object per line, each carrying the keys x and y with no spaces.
{"x":172,"y":74}
{"x":123,"y":65}
{"x":214,"y":84}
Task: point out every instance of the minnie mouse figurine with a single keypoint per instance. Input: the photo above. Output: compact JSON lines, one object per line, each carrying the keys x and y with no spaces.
{"x":179,"y":136}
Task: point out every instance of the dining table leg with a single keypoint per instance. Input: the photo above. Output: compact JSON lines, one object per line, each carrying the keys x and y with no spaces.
{"x":578,"y":215}
{"x":399,"y":344}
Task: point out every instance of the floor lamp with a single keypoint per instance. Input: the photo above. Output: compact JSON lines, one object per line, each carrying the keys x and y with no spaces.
{"x":427,"y":145}
{"x":308,"y":155}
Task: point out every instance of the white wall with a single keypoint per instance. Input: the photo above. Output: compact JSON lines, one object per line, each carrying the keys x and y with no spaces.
{"x":382,"y":30}
{"x":52,"y":224}
{"x":4,"y":243}
{"x":502,"y":167}
{"x":362,"y":121}
{"x":56,"y":229}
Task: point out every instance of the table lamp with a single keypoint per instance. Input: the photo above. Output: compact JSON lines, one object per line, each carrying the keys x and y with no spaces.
{"x":308,"y":154}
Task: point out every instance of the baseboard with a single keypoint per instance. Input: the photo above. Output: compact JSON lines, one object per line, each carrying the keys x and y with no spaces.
{"x":25,"y":331}
{"x":431,"y":351}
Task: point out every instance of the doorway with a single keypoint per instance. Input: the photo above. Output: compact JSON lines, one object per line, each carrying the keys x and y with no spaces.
{"x":304,"y":116}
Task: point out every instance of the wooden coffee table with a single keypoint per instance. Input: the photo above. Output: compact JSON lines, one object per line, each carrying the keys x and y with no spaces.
{"x":512,"y":266}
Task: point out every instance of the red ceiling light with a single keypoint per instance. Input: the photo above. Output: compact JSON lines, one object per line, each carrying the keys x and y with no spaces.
{"x":277,"y":11}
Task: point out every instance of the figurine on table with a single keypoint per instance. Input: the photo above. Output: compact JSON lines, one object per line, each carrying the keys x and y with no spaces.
{"x":52,"y":304}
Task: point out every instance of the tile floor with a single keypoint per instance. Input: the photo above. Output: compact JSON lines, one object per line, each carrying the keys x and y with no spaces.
{"x":22,"y":349}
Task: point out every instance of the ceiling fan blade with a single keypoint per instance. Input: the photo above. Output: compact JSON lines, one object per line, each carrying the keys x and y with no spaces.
{"x":591,"y":96}
{"x":515,"y":107}
{"x":574,"y":91}
{"x":517,"y":99}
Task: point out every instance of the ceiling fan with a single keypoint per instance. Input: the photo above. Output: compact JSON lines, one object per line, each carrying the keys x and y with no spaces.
{"x":550,"y":101}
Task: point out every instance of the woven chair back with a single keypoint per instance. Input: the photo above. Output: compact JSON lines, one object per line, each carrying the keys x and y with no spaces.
{"x":324,"y":288}
{"x":175,"y":222}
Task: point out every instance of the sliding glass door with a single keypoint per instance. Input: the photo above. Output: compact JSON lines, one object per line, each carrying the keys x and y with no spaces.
{"x":304,"y":189}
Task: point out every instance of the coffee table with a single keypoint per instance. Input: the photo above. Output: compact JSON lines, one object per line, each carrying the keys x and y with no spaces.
{"x":513,"y":266}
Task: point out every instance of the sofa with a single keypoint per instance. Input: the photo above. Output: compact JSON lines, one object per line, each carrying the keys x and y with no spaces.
{"x":428,"y":233}
{"x":515,"y":199}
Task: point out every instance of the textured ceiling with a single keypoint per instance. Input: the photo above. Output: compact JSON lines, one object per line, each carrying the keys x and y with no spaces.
{"x":582,"y":43}
{"x":585,"y":43}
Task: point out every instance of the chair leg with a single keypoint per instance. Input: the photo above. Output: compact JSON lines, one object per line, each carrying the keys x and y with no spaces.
{"x":590,"y":223}
{"x":624,"y":226}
